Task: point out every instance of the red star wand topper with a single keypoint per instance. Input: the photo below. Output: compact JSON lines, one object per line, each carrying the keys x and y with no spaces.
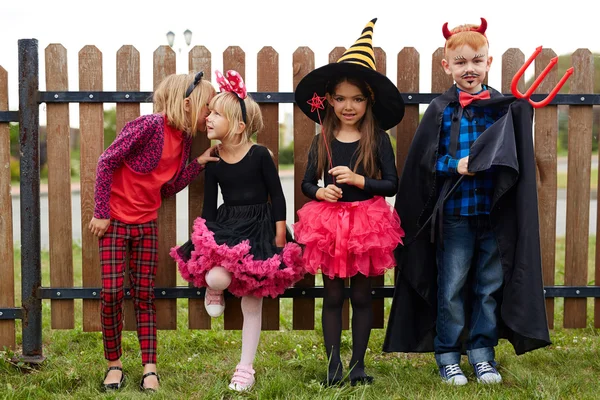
{"x":317,"y":102}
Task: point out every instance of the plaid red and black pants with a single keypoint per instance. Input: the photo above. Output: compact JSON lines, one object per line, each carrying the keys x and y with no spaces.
{"x":142,"y":242}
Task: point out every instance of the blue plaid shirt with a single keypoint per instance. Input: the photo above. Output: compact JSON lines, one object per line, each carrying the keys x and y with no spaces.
{"x":474,"y":195}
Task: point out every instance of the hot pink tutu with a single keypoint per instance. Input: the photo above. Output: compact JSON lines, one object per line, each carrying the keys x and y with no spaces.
{"x":343,"y":239}
{"x":251,"y":276}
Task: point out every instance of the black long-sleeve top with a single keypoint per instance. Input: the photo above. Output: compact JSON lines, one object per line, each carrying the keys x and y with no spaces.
{"x":249,"y":181}
{"x":345,"y":154}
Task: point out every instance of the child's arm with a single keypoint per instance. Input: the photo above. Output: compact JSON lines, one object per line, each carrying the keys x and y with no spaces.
{"x":310,"y":188}
{"x":387,"y":185}
{"x":136,"y":133}
{"x":448,"y":166}
{"x":273,"y":183}
{"x":190,"y":172}
{"x":209,"y":209}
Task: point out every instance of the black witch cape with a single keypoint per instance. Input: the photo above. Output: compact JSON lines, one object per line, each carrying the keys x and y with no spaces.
{"x":508,"y":146}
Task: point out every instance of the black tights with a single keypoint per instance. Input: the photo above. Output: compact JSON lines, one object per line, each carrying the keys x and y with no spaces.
{"x":362,"y":320}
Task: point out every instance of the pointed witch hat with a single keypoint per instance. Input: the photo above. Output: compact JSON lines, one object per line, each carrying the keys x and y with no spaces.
{"x":357,"y":62}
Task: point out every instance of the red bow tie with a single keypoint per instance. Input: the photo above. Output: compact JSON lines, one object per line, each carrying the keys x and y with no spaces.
{"x":465,"y":98}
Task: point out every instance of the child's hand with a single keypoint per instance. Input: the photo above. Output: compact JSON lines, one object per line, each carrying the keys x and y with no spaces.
{"x":345,"y":175}
{"x":209,"y":155}
{"x":463,"y":167}
{"x":280,"y":242}
{"x":331,"y":193}
{"x":99,"y":226}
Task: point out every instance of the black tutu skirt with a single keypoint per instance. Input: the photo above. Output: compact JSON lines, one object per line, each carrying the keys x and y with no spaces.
{"x":242,"y":240}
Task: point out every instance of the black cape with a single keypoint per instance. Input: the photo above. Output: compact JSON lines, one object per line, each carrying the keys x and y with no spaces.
{"x":507,"y":145}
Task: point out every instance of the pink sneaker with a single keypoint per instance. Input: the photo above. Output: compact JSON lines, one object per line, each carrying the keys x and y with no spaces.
{"x":243,"y":378}
{"x":214,"y":302}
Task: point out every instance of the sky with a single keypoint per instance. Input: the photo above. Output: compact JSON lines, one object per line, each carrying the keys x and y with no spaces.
{"x":284,"y":25}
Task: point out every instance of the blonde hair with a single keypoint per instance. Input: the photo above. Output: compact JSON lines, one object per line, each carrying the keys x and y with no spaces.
{"x":464,"y":35}
{"x":229,"y":106}
{"x":169,"y":98}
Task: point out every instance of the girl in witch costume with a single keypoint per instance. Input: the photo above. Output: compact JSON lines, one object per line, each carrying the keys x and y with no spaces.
{"x":241,"y":246}
{"x":349,"y":230}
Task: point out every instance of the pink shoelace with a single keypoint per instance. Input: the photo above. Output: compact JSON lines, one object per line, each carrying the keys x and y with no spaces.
{"x":214,"y":297}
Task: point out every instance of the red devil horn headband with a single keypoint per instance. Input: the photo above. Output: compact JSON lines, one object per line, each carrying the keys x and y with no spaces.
{"x":481,"y":29}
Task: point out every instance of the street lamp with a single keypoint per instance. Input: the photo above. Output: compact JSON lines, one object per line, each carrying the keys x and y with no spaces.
{"x":187,"y":35}
{"x":170,"y":38}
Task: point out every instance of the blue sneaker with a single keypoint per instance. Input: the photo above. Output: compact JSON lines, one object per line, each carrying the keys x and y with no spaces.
{"x":486,"y":372}
{"x":453,"y":375}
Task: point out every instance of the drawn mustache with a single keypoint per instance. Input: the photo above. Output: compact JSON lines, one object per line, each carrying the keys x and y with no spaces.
{"x":470,"y":75}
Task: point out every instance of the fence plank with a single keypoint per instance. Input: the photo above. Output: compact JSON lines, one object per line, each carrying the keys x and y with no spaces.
{"x":597,"y":259}
{"x":303,"y":61}
{"x":59,"y":188}
{"x":166,"y":274}
{"x":91,"y":129}
{"x":268,"y":81}
{"x":408,"y":82}
{"x":199,"y":60}
{"x":234,"y":58}
{"x":377,"y":304}
{"x":578,"y":185}
{"x":128,"y":78}
{"x":546,"y":139}
{"x":7,"y":268}
{"x":440,"y":81}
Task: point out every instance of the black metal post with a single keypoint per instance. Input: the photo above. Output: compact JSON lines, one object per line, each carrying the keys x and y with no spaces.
{"x":31,"y":266}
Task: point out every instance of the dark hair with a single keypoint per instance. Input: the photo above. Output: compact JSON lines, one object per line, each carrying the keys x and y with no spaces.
{"x":367,"y":147}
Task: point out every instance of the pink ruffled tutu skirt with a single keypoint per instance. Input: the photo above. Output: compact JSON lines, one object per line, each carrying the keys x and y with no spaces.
{"x":343,"y":239}
{"x":242,"y":241}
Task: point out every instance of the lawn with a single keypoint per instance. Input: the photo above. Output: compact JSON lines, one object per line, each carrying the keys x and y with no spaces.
{"x":289,"y":364}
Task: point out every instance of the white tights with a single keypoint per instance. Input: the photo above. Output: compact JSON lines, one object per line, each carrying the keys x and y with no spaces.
{"x":218,"y":278}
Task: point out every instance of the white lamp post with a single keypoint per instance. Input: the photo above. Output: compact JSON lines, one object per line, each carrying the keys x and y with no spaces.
{"x":187,"y":35}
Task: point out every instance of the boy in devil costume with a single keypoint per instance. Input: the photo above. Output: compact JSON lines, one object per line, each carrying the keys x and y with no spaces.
{"x":470,"y":270}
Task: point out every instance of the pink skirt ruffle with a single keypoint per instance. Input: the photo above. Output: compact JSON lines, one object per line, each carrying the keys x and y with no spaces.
{"x":250,"y":277}
{"x":343,"y":239}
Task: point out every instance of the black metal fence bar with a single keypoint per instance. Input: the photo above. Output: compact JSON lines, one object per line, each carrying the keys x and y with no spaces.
{"x":11,"y":313}
{"x":184,"y":292}
{"x":9,"y":116}
{"x":275,"y":97}
{"x":31,"y":273}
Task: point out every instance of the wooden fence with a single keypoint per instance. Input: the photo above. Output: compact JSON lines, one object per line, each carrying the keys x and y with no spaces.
{"x":128,"y":80}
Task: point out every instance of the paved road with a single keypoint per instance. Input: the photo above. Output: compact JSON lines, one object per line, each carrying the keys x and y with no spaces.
{"x":182,"y":218}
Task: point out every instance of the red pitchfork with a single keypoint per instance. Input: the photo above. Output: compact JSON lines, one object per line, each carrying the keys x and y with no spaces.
{"x":539,"y":79}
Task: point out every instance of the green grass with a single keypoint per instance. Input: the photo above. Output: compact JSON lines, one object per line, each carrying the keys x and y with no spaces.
{"x":289,"y":364}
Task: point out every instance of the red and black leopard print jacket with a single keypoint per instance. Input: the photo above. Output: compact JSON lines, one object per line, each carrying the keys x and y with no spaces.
{"x":140,"y":145}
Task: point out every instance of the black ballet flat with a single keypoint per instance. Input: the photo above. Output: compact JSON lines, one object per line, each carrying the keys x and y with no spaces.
{"x":335,"y":382}
{"x":147,"y":374}
{"x":113,"y":386}
{"x":362,"y":380}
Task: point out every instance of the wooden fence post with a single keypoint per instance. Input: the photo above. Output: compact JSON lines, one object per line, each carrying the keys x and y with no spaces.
{"x":58,"y":138}
{"x":234,"y":58}
{"x":91,"y":128}
{"x":578,"y":185}
{"x":128,"y":78}
{"x":166,"y":273}
{"x":303,"y":61}
{"x":199,"y":60}
{"x":7,"y":267}
{"x":268,"y":81}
